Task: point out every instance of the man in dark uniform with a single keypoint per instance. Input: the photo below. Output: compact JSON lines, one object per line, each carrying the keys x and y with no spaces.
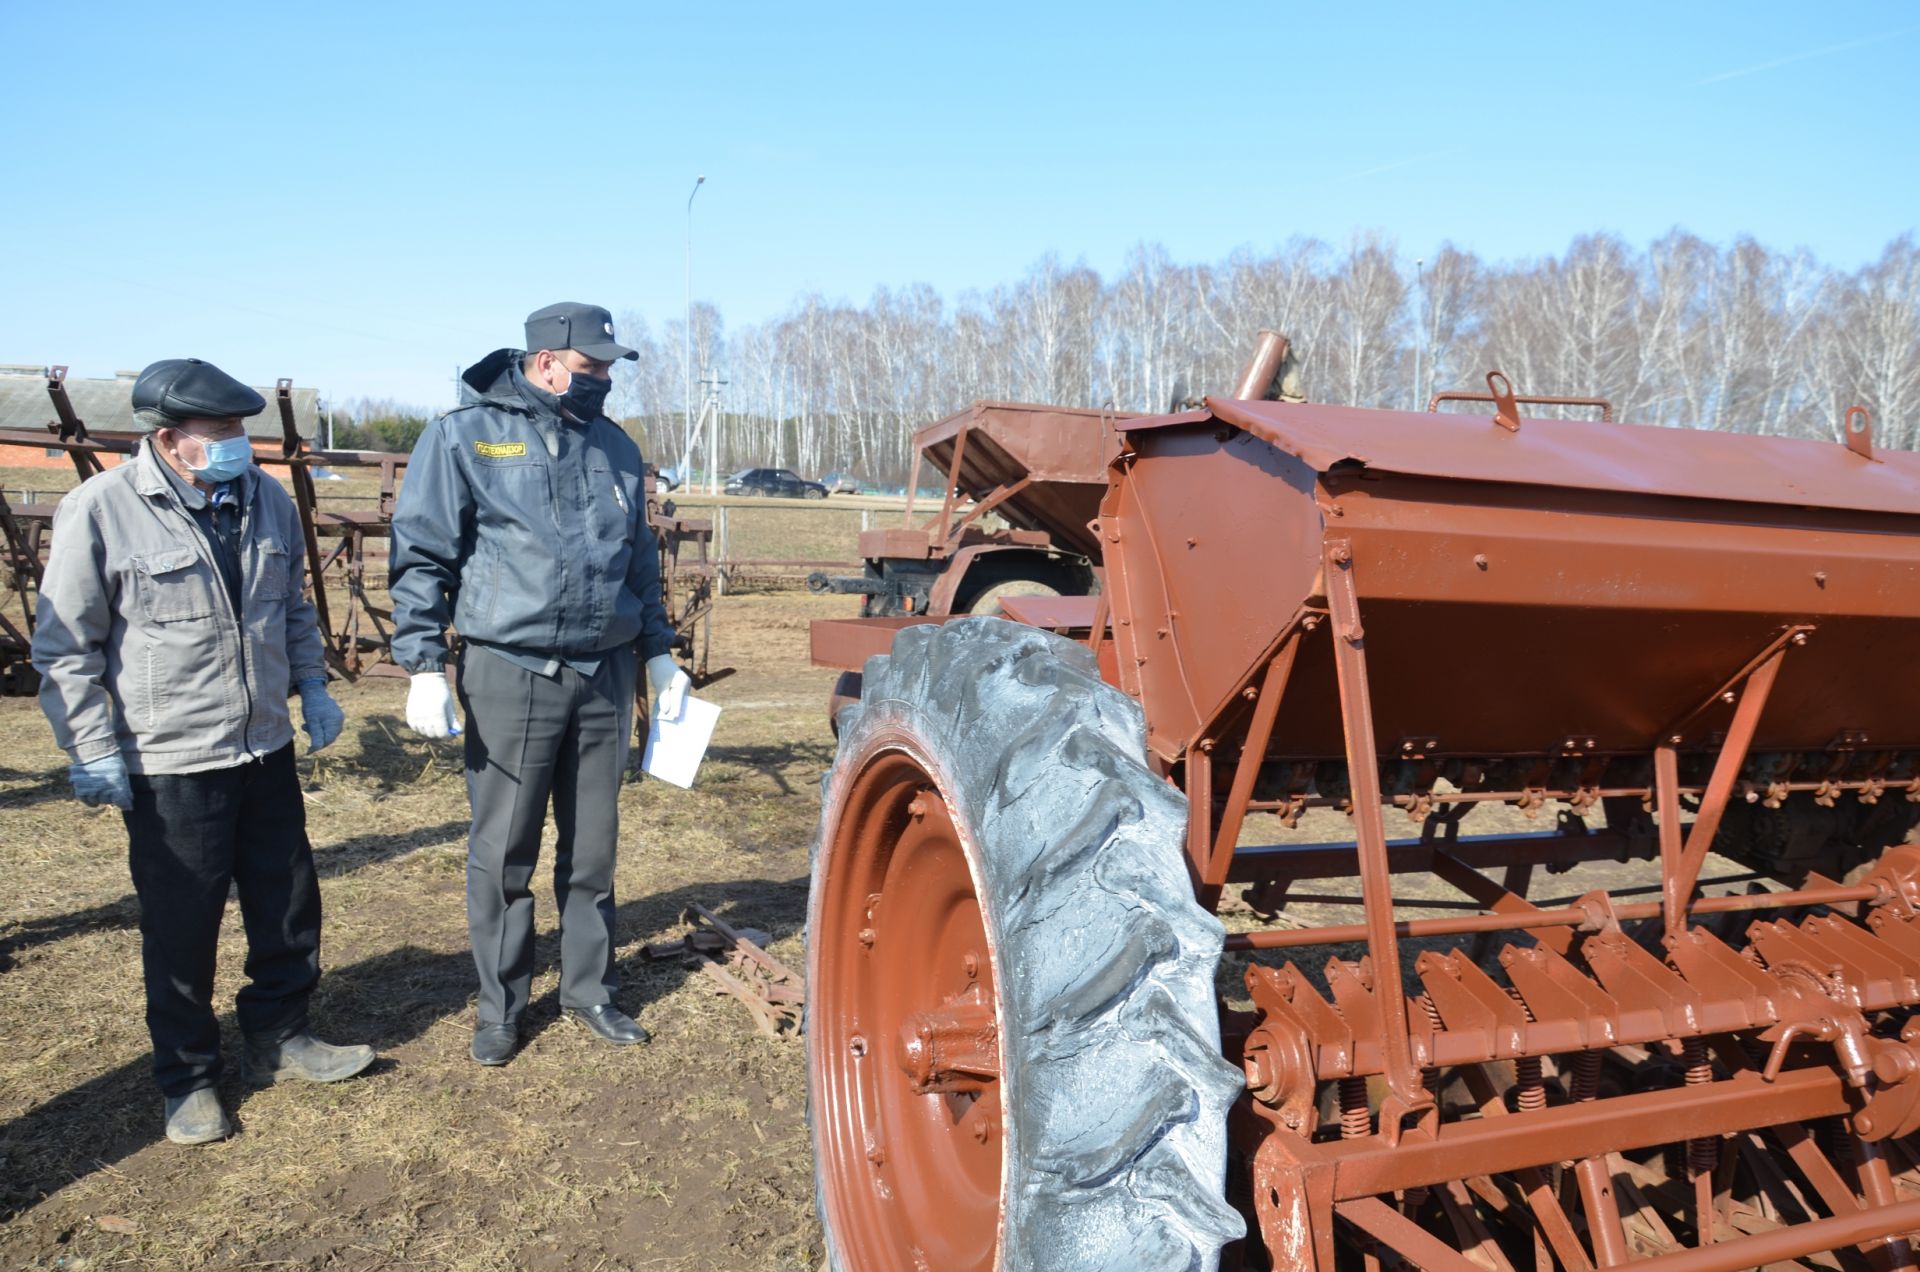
{"x":522,"y":522}
{"x":173,"y":627}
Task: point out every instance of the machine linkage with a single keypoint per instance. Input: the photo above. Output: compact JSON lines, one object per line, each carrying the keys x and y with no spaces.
{"x":1604,"y":1098}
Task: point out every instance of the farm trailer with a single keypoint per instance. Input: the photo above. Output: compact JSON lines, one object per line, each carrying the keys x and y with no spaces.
{"x":1017,"y":1055}
{"x":1042,"y":471}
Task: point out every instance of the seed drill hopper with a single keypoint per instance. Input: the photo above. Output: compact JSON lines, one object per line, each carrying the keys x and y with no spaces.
{"x":1033,"y":1045}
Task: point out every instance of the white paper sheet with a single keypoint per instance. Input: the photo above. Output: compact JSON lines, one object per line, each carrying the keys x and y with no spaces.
{"x":676,"y":746}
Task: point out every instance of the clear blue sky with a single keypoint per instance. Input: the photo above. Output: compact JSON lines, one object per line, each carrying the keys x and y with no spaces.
{"x":365,"y":196}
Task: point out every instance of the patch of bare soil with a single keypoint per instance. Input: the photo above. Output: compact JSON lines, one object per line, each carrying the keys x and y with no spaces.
{"x":690,"y":1153}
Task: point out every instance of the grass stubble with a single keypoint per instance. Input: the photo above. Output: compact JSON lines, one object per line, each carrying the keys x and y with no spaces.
{"x":688,"y":1153}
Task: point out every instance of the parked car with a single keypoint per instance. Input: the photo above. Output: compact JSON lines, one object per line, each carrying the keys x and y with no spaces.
{"x":781,"y":482}
{"x":845,"y":483}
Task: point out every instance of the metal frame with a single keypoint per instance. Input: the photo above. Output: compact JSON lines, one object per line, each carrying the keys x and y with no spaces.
{"x":339,"y":544}
{"x":1810,"y":988}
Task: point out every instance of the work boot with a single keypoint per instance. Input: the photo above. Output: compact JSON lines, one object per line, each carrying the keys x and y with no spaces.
{"x":301,"y":1056}
{"x":495,"y":1044}
{"x":609,"y":1024}
{"x":196,"y":1117}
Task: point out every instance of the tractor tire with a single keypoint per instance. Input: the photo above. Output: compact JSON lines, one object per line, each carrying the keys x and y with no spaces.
{"x":987,"y":603}
{"x":991,"y":837}
{"x":988,"y":580}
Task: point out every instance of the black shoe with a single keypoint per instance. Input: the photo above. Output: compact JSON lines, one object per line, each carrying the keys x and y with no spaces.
{"x":495,"y":1044}
{"x":610,"y":1024}
{"x":302,"y":1056}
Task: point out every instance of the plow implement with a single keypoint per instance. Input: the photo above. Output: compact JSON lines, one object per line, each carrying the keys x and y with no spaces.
{"x":1034,"y":1045}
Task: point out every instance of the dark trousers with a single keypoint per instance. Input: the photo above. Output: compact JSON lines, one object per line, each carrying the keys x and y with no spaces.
{"x":530,"y":739}
{"x":190,"y":836}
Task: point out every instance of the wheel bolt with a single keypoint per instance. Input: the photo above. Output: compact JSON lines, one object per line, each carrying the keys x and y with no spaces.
{"x":981,"y":1130}
{"x":866,"y":938}
{"x":970,"y":965}
{"x":917,"y":809}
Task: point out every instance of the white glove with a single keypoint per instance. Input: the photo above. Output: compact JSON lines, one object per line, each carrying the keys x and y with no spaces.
{"x":670,"y":685}
{"x":430,"y":706}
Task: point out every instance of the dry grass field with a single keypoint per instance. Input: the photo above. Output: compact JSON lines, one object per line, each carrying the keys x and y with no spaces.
{"x":690,"y":1153}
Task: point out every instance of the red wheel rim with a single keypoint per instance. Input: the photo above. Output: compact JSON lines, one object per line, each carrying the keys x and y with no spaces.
{"x":910,"y":1179}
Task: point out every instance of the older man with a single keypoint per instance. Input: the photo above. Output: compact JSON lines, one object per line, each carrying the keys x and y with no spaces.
{"x":173,"y":628}
{"x":522,"y":523}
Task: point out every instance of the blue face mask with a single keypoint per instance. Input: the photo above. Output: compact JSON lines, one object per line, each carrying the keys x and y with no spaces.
{"x":226,"y":459}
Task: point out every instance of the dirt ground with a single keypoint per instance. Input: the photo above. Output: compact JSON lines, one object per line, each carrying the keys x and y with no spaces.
{"x":690,"y":1153}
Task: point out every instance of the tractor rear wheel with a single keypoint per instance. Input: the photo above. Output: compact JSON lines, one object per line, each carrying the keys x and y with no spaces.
{"x":1013,"y":1047}
{"x":988,"y":580}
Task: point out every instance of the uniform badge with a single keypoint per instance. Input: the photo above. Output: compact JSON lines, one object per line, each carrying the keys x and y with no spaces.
{"x":499,"y":450}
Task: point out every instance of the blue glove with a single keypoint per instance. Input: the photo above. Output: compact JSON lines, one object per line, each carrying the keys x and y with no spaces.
{"x":320,"y":714}
{"x":102,"y":781}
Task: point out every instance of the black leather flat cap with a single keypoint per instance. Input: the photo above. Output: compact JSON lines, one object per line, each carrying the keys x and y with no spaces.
{"x":189,"y":389}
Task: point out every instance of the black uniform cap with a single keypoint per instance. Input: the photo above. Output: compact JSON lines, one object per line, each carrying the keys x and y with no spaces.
{"x":567,"y":325}
{"x":189,"y":389}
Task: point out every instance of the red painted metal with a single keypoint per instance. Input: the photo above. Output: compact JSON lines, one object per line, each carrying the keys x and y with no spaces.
{"x":904,"y":1063}
{"x":1507,"y":399}
{"x":1701,"y":637}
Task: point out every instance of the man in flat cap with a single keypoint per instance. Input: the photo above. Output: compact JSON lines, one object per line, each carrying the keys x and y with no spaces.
{"x":173,"y":628}
{"x":522,"y":522}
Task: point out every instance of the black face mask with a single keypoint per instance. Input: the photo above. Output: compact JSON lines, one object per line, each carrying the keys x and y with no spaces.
{"x":584,"y":396}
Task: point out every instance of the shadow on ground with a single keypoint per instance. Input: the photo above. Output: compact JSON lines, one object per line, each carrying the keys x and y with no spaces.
{"x":387,"y":1000}
{"x":331,"y":862}
{"x":773,"y":761}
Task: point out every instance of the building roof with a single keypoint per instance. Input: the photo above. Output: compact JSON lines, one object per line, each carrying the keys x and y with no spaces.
{"x":106,"y":406}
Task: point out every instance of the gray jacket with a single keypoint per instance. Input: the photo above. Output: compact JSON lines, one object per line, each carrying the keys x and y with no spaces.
{"x":524,"y":530}
{"x":136,"y":639}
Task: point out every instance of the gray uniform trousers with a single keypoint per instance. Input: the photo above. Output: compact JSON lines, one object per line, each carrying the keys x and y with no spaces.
{"x":530,"y":738}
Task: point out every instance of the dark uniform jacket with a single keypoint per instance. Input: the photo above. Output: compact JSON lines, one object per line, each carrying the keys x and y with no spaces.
{"x":526,"y":530}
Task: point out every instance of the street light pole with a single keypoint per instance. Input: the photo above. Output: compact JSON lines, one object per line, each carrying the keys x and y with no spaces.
{"x":1420,"y":322}
{"x":686,"y":348}
{"x":711,"y":382}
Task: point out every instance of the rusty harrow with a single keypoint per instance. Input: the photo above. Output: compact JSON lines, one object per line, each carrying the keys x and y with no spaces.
{"x":346,"y":547}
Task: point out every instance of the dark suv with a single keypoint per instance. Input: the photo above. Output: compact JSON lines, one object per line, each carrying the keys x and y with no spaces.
{"x":780,"y":482}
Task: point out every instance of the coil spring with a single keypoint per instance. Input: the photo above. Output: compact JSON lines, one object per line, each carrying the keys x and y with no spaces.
{"x":1703,"y":1153}
{"x":1530,"y":1090}
{"x":1586,"y":1076}
{"x":1430,"y":1078}
{"x":1356,"y":1121}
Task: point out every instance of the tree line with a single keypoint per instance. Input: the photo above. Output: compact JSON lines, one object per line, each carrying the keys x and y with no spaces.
{"x":1681,"y":331}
